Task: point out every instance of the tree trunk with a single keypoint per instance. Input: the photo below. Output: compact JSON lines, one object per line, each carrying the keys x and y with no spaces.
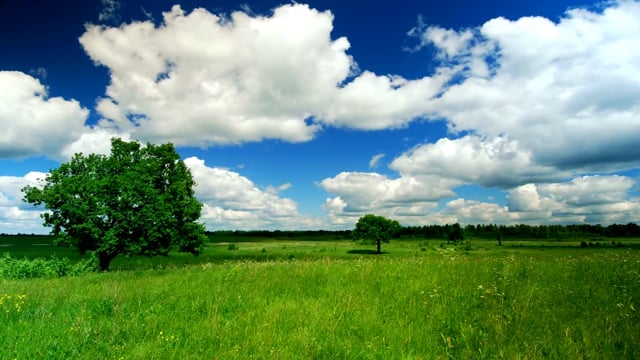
{"x":378,"y":242}
{"x":104,"y":259}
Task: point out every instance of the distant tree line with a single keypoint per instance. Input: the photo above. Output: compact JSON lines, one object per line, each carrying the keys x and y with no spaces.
{"x":523,"y":231}
{"x":221,"y":235}
{"x":443,"y":232}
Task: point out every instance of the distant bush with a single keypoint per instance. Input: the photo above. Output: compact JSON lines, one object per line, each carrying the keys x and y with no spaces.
{"x":12,"y":268}
{"x":232,"y":247}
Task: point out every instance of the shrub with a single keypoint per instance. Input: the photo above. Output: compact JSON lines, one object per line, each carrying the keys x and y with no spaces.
{"x":12,"y":268}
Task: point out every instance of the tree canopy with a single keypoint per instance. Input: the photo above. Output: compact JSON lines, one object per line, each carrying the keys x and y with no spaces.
{"x":139,"y":200}
{"x":456,"y":234}
{"x":375,"y":229}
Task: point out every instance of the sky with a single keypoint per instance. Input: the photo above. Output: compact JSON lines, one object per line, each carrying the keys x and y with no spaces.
{"x":308,"y":115}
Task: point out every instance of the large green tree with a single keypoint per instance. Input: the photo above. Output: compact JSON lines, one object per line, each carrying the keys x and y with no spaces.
{"x":375,"y":229}
{"x":139,"y":200}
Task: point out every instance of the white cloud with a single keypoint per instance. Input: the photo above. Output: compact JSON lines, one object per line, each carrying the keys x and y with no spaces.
{"x":406,"y":199}
{"x":232,"y":201}
{"x":472,"y":212}
{"x":367,"y":191}
{"x":587,"y":199}
{"x":449,"y":43}
{"x":93,"y":141}
{"x":33,"y":123}
{"x":525,"y":198}
{"x":474,"y":159}
{"x":590,"y":190}
{"x":17,"y":216}
{"x":373,"y":102}
{"x":591,"y":199}
{"x":375,"y":160}
{"x":201,"y":79}
{"x":566,"y":92}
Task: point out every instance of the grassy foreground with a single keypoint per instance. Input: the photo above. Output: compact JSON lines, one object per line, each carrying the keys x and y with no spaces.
{"x":407,"y":304}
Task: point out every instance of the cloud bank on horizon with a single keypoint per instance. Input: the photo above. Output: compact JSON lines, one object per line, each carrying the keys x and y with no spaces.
{"x":545,"y":111}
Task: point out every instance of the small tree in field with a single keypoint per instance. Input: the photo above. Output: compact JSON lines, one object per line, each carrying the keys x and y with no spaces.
{"x":139,"y":200}
{"x":375,"y":229}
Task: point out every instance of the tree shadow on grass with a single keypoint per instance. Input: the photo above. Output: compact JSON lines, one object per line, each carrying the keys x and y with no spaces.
{"x":364,"y":252}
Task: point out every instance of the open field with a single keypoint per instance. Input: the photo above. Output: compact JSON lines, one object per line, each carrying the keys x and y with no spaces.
{"x":233,"y":248}
{"x":278,"y":299}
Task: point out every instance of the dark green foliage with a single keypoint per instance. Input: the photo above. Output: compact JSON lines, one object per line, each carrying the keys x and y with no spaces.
{"x":522,"y":231}
{"x":263,"y":235}
{"x":376,"y":229}
{"x":456,"y":233}
{"x":136,"y":201}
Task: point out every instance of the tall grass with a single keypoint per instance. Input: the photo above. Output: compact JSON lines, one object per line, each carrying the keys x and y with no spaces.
{"x":427,"y":305}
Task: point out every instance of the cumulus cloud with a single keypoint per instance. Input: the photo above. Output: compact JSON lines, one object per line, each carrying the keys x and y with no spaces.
{"x":450,"y":43}
{"x":472,"y":212}
{"x":201,"y":79}
{"x":592,"y":199}
{"x":93,"y":141}
{"x":366,"y":191}
{"x":566,"y":92}
{"x":586,"y":199}
{"x":485,"y":161}
{"x":374,"y":102}
{"x":403,"y":198}
{"x":17,"y":216}
{"x":590,"y":190}
{"x":32,"y":123}
{"x":232,"y":201}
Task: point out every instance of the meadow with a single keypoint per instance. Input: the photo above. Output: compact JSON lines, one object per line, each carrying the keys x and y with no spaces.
{"x":333,"y":299}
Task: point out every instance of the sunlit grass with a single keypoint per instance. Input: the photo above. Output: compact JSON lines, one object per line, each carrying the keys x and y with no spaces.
{"x":408,"y":303}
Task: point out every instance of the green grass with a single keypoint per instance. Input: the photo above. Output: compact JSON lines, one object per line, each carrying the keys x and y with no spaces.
{"x":288,"y":300}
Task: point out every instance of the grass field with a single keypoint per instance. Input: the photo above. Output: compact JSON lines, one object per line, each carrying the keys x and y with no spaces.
{"x":277,"y":299}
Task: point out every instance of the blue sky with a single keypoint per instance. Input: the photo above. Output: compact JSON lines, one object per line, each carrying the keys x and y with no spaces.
{"x":309,"y":115}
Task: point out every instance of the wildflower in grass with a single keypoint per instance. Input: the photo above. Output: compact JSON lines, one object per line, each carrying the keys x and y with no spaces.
{"x":166,"y":338}
{"x":74,"y":328}
{"x":449,"y":342}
